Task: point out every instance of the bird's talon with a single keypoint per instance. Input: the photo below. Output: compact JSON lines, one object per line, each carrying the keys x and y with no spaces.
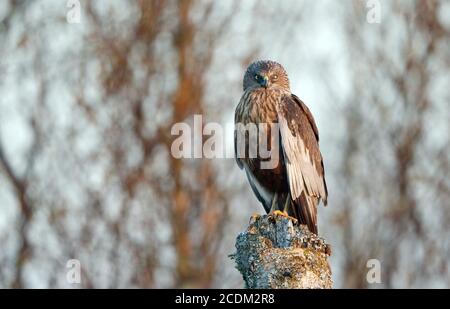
{"x":279,"y":213}
{"x":284,"y":214}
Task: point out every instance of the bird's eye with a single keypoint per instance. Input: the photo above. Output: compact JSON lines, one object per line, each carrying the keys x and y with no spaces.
{"x":275,"y":77}
{"x":256,"y":77}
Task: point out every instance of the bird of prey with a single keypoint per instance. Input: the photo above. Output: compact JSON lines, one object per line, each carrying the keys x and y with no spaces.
{"x":295,"y":185}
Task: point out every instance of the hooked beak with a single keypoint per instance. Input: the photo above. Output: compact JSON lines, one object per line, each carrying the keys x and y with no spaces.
{"x":265,"y":82}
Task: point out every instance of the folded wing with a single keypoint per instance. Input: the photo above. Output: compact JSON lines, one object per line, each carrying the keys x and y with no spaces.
{"x":303,"y":160}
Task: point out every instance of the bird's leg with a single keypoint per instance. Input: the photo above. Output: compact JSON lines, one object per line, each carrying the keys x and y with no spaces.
{"x":287,"y":204}
{"x":273,"y":208}
{"x":285,"y":213}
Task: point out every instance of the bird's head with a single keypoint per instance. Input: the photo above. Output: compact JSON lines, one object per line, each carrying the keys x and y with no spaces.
{"x":267,"y":75}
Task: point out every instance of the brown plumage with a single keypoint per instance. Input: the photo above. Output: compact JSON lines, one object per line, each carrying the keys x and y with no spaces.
{"x":296,"y":182}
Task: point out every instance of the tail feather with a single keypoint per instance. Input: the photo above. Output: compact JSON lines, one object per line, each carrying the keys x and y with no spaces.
{"x":305,"y":210}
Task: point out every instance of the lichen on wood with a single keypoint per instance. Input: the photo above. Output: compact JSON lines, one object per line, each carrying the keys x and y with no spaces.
{"x":277,"y":253}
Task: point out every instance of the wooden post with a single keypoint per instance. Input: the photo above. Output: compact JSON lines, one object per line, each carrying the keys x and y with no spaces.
{"x":277,"y":253}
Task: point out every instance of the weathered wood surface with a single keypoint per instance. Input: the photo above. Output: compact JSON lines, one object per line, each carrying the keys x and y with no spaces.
{"x":277,"y":253}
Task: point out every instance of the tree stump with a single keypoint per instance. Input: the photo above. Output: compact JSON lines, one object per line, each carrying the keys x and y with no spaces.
{"x":277,"y":253}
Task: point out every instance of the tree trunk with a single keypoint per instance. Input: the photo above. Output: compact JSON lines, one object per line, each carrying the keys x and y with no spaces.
{"x":277,"y":253}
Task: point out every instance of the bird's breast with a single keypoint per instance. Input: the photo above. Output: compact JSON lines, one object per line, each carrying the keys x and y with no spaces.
{"x":259,"y":107}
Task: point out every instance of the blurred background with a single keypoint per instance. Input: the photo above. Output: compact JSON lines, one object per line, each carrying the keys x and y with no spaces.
{"x":87,"y":102}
